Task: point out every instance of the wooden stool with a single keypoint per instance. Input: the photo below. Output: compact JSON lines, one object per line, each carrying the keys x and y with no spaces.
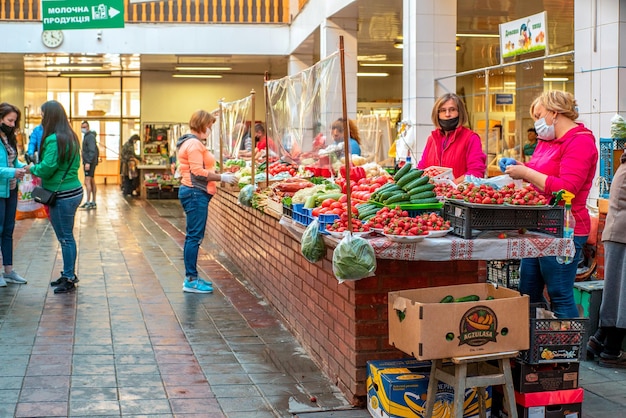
{"x":460,"y":381}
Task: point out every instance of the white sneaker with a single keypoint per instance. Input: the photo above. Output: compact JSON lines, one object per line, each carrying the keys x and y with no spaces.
{"x":3,"y":283}
{"x":13,"y":277}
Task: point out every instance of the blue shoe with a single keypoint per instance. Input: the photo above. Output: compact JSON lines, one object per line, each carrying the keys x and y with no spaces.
{"x":206,"y":282}
{"x":197,"y":286}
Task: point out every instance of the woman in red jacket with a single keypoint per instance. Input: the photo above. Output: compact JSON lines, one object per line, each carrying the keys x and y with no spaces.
{"x":453,"y":145}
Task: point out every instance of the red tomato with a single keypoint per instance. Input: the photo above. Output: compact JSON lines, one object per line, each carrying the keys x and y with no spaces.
{"x":327,"y":202}
{"x":343,"y":198}
{"x":315,"y":212}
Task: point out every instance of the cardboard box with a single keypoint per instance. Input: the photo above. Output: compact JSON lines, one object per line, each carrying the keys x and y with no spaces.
{"x":397,"y":388}
{"x":426,"y":329}
{"x":529,"y":378}
{"x":555,"y":404}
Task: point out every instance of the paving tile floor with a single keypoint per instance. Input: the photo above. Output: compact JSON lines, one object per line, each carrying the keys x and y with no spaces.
{"x":128,"y":342}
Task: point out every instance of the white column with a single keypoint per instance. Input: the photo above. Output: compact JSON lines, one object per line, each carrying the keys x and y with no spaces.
{"x":429,"y":31}
{"x":600,"y":66}
{"x":298,"y":62}
{"x":330,"y":31}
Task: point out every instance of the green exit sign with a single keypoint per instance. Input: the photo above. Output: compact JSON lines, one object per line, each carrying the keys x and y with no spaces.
{"x":82,"y":14}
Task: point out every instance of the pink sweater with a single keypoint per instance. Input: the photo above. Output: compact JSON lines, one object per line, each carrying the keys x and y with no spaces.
{"x":461,"y":151}
{"x":570,"y":164}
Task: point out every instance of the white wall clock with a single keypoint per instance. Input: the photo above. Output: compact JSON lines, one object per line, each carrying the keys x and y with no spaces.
{"x":52,"y":38}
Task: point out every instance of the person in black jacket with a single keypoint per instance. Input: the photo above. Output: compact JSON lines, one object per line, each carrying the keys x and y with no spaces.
{"x":90,"y":161}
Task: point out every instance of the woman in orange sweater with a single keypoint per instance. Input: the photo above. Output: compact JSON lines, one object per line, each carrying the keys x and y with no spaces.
{"x":198,"y":185}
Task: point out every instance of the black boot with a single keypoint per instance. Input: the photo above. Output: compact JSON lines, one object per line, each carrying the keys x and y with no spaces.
{"x":65,"y":286}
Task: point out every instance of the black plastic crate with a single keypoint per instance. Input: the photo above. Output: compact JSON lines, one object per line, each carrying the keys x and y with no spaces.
{"x":555,"y":340}
{"x":152,"y":192}
{"x":287,"y":211}
{"x":468,"y":219}
{"x":504,"y":273}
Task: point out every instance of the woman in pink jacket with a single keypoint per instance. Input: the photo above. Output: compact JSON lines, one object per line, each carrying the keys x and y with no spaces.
{"x":453,"y":145}
{"x":565,"y":158}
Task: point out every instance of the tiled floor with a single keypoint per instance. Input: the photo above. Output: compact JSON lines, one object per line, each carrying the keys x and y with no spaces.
{"x":129,"y":342}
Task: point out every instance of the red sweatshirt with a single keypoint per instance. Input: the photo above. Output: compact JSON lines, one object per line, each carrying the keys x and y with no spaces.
{"x":461,"y":151}
{"x":570,"y":164}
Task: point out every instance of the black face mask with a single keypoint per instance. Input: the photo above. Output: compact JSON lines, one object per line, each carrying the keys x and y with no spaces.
{"x":8,"y":130}
{"x":449,"y":124}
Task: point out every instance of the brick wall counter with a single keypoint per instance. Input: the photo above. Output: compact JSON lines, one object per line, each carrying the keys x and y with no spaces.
{"x":341,"y":325}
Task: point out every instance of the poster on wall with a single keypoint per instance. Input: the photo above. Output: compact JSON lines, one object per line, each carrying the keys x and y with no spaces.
{"x":521,"y":36}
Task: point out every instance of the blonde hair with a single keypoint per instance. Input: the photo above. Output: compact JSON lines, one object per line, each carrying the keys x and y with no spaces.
{"x":354,"y":130}
{"x":201,"y":120}
{"x":557,"y":101}
{"x":463,"y":117}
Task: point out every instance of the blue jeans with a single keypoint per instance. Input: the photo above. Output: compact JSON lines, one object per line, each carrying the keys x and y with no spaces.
{"x":62,"y":216}
{"x":535,"y":273}
{"x":196,"y":206}
{"x":8,"y":206}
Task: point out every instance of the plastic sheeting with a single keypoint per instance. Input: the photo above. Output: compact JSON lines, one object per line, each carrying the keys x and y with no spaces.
{"x":301,"y":109}
{"x":376,"y":138}
{"x":232,"y":123}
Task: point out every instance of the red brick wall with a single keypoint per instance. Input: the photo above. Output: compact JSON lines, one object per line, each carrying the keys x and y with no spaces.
{"x":341,"y":325}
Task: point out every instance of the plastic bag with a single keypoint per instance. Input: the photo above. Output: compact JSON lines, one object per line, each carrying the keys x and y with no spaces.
{"x":245,"y":195}
{"x":495,"y":182}
{"x":312,"y":245}
{"x":353,"y":259}
{"x":26,"y":205}
{"x":618,"y":127}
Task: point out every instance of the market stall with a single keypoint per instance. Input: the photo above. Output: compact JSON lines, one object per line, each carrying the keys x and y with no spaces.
{"x":342,"y":320}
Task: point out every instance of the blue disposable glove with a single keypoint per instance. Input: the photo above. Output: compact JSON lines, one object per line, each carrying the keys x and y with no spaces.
{"x":505,"y":162}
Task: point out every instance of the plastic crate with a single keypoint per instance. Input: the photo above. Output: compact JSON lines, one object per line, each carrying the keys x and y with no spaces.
{"x":287,"y":210}
{"x":326,"y":220}
{"x":152,"y":192}
{"x":555,"y":340}
{"x":504,"y":273}
{"x":469,"y":219}
{"x":168,"y":193}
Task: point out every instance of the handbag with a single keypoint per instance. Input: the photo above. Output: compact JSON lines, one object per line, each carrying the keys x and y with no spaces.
{"x":45,"y":196}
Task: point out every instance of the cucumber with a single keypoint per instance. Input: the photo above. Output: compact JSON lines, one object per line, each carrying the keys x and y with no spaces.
{"x":427,"y":200}
{"x":423,"y":188}
{"x":423,"y":195}
{"x":417,"y":182}
{"x":388,"y":195}
{"x":400,"y":197}
{"x":468,"y":298}
{"x":447,"y":299}
{"x":384,"y":187}
{"x":319,"y":198}
{"x":409,"y":177}
{"x":405,"y":169}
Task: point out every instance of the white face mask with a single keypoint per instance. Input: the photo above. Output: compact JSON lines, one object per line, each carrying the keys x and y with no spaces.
{"x":84,"y":130}
{"x":544,"y":131}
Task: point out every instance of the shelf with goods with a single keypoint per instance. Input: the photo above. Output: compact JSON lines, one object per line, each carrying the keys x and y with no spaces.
{"x":157,"y":152}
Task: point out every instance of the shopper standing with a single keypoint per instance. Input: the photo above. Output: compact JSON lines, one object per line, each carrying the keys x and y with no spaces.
{"x":58,"y":170}
{"x":198,"y":185}
{"x":34,"y":143}
{"x":128,"y":167}
{"x":565,"y":159}
{"x":607,"y":341}
{"x":451,"y":144}
{"x":11,"y":170}
{"x":90,"y":161}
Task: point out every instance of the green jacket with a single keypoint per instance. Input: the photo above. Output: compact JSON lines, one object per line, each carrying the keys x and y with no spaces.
{"x":51,"y":170}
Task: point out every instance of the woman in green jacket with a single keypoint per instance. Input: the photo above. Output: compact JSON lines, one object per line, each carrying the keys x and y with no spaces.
{"x":58,"y":170}
{"x":10,"y":171}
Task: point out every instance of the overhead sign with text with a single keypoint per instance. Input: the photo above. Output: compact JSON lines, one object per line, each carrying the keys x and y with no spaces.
{"x":82,"y":14}
{"x":521,"y":36}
